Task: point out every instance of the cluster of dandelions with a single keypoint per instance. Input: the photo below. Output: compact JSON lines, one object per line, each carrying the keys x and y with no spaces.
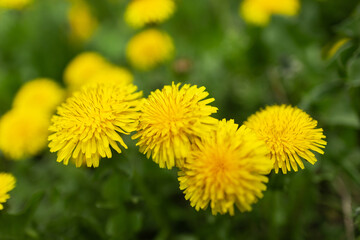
{"x":146,"y":49}
{"x":221,"y":164}
{"x":104,"y":104}
{"x":24,"y":129}
{"x":150,"y":47}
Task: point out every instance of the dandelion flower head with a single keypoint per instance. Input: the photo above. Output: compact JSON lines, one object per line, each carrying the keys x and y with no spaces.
{"x":225,"y":169}
{"x":82,"y":23}
{"x":149,"y":48}
{"x":142,"y":12}
{"x":170,"y":120}
{"x":23,"y":132}
{"x":114,"y":74}
{"x":42,"y":94}
{"x":7,"y":183}
{"x":82,"y":68}
{"x":290,"y":134}
{"x":91,"y":121}
{"x":259,"y":12}
{"x":14,"y":4}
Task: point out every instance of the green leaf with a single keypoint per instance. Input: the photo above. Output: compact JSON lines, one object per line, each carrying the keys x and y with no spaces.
{"x":13,"y":225}
{"x":117,"y":188}
{"x":337,"y":110}
{"x":354,"y":72}
{"x":351,"y":165}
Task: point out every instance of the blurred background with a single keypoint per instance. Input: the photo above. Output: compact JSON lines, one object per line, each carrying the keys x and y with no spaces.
{"x":311,"y":60}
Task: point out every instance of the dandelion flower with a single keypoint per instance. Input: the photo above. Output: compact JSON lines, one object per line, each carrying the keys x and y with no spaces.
{"x":290,"y":133}
{"x":170,"y":120}
{"x":141,"y":12}
{"x":228,"y":167}
{"x":7,"y":183}
{"x":14,"y":4}
{"x":149,"y":48}
{"x":91,"y":121}
{"x":259,"y":12}
{"x":82,"y":23}
{"x":42,"y":94}
{"x":117,"y":75}
{"x":23,"y":132}
{"x":82,"y":68}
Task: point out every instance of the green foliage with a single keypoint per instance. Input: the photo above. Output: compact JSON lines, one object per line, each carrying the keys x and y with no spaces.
{"x":244,"y":68}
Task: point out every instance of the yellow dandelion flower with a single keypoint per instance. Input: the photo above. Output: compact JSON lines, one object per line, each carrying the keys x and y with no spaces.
{"x":42,"y":93}
{"x":7,"y":183}
{"x":23,"y":132}
{"x":142,"y":12}
{"x":284,"y":7}
{"x":170,"y":120}
{"x":82,"y":23}
{"x":82,"y":68}
{"x":91,"y":121}
{"x":228,"y":167}
{"x":290,"y":133}
{"x":259,"y":12}
{"x":254,"y":12}
{"x":14,"y":4}
{"x":149,"y":48}
{"x":113,"y":74}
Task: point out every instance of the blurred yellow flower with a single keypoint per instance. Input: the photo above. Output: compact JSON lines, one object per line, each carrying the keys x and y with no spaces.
{"x":82,"y":23}
{"x":225,"y":169}
{"x":23,"y":132}
{"x":113,"y":74}
{"x":42,"y":94}
{"x":141,"y":12}
{"x":91,"y":121}
{"x":7,"y":183}
{"x":82,"y":68}
{"x":14,"y":4}
{"x":170,"y":120}
{"x":259,"y":12}
{"x":149,"y":48}
{"x":289,"y":133}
